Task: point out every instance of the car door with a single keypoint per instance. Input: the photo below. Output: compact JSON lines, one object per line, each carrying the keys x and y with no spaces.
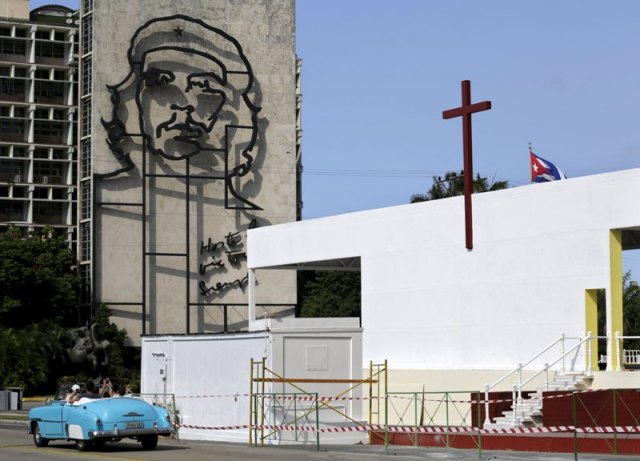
{"x":51,"y":425}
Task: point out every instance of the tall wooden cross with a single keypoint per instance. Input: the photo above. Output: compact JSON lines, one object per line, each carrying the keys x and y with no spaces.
{"x":465,"y":112}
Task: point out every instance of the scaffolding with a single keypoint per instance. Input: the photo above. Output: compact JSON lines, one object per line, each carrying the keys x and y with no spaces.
{"x":273,"y":414}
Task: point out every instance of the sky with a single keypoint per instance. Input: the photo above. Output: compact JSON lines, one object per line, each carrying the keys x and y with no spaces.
{"x":377,"y":74}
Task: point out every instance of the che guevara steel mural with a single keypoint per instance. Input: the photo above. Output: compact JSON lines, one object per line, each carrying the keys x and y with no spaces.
{"x":188,"y":98}
{"x":193,"y":89}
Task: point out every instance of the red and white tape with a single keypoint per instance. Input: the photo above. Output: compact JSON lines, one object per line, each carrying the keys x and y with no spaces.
{"x":428,"y":429}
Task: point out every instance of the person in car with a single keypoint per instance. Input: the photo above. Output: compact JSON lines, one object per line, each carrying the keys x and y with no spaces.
{"x":89,"y":393}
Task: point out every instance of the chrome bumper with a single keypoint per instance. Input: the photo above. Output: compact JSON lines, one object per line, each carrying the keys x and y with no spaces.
{"x":121,"y":433}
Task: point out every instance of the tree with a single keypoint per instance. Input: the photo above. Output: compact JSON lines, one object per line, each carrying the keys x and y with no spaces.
{"x":39,"y":313}
{"x":36,"y":280}
{"x":453,"y":185}
{"x":630,"y":311}
{"x":332,"y":294}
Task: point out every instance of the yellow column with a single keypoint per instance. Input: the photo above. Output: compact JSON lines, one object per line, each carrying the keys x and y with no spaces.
{"x":591,"y":325}
{"x":614,"y":317}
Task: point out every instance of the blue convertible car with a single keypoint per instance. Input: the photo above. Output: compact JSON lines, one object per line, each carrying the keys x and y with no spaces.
{"x":92,"y":423}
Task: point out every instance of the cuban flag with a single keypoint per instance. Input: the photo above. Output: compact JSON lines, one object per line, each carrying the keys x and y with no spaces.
{"x":543,"y":170}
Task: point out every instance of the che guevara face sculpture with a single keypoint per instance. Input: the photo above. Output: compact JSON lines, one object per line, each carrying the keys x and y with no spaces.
{"x":193,"y":91}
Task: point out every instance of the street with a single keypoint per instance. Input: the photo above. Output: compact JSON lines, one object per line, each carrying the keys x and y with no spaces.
{"x":15,"y":443}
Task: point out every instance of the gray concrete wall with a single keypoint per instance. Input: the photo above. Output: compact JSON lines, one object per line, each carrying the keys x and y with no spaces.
{"x":265,"y":31}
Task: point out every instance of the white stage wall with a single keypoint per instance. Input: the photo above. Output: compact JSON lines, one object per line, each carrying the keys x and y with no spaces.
{"x":429,"y":303}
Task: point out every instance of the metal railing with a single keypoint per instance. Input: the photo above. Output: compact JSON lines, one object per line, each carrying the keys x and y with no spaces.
{"x":517,"y":387}
{"x":629,"y":357}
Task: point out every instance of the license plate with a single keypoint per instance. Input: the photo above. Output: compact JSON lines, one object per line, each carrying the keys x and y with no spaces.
{"x":134,"y":425}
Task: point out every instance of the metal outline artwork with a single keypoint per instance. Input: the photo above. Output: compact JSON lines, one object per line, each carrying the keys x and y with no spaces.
{"x":214,"y":263}
{"x":183,"y":42}
{"x":220,"y":286}
{"x":210,"y":247}
{"x":233,"y":239}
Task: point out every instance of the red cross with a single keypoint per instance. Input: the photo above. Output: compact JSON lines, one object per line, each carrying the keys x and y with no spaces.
{"x":465,"y":112}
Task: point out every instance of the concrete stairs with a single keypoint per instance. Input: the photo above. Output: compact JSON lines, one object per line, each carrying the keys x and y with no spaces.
{"x":528,"y":413}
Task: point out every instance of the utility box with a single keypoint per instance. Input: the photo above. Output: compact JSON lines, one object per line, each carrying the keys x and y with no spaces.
{"x":11,"y":399}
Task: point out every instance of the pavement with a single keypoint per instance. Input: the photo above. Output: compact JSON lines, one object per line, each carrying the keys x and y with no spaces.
{"x":19,"y":417}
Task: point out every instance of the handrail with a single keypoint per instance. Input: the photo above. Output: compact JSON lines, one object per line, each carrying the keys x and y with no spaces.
{"x":520,"y":367}
{"x":619,"y":339}
{"x":519,"y":386}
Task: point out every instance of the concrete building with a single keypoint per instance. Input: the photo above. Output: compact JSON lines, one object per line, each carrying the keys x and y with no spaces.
{"x":189,"y":136}
{"x":38,"y":118}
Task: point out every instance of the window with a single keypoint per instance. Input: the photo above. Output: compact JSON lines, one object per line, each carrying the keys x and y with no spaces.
{"x":59,"y":36}
{"x":12,"y":127}
{"x":86,"y":157}
{"x":86,"y":200}
{"x":41,"y":193}
{"x":5,"y":71}
{"x":43,"y":34}
{"x":87,"y":5}
{"x":59,"y":154}
{"x":21,"y":32}
{"x":42,"y":114}
{"x":47,"y":169}
{"x":4,"y":151}
{"x":10,"y":86}
{"x":49,"y":50}
{"x":59,"y":75}
{"x":57,"y":194}
{"x":86,"y":76}
{"x":11,"y":211}
{"x":48,"y":89}
{"x":5,"y":111}
{"x":87,"y":34}
{"x":19,"y":152}
{"x":5,"y":32}
{"x":41,"y":153}
{"x":19,"y":112}
{"x":12,"y":46}
{"x":86,"y":117}
{"x":48,"y":128}
{"x":20,"y":72}
{"x":42,"y":74}
{"x":19,"y":192}
{"x":58,"y":114}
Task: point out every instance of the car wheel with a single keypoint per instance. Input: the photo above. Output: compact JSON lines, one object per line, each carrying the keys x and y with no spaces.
{"x":38,"y":440}
{"x":149,"y":442}
{"x":83,"y":445}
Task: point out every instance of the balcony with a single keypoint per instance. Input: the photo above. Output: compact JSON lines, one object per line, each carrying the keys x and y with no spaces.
{"x":10,"y":178}
{"x":42,"y":179}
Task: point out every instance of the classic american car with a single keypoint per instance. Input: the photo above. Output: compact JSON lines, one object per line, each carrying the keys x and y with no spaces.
{"x":92,"y":423}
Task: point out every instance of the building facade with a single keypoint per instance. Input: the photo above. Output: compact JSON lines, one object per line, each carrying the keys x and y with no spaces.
{"x":38,"y":118}
{"x":189,"y":136}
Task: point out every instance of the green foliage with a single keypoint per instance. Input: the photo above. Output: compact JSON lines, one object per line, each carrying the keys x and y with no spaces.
{"x":39,"y":310}
{"x":453,"y":185}
{"x":28,"y":355}
{"x":630,"y":314}
{"x":36,"y":281}
{"x":332,"y":294}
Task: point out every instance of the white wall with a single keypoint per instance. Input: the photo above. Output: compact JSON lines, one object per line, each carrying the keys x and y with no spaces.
{"x":199,"y":368}
{"x":428,"y":303}
{"x":210,"y":374}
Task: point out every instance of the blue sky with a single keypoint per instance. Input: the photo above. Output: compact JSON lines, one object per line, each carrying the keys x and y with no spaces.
{"x":377,"y":74}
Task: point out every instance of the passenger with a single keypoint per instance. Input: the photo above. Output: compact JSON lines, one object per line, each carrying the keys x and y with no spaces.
{"x":89,"y":393}
{"x":123,"y":391}
{"x":107,"y":389}
{"x":75,"y":389}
